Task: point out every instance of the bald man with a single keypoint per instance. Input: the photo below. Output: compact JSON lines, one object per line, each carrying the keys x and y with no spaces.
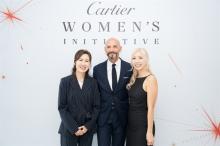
{"x":112,"y":76}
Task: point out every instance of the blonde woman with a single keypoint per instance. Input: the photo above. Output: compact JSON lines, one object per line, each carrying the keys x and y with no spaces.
{"x":142,"y":91}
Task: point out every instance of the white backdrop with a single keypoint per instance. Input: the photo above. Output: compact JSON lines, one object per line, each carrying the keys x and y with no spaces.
{"x":33,"y":58}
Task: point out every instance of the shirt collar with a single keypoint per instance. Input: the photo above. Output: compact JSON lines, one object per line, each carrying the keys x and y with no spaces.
{"x":118,"y":63}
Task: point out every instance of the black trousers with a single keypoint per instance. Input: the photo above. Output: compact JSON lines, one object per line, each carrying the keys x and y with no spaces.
{"x":73,"y":140}
{"x":112,"y":133}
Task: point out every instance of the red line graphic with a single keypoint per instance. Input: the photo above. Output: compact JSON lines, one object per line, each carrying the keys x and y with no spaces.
{"x":176,"y":66}
{"x":22,"y":49}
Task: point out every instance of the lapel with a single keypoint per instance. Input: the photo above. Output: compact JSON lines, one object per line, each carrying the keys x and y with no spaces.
{"x":121,"y":78}
{"x":105,"y":77}
{"x":75,"y":84}
{"x":86,"y":84}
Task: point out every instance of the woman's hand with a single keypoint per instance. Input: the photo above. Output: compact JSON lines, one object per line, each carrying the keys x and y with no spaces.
{"x":79,"y":132}
{"x":83,"y":129}
{"x":150,"y":138}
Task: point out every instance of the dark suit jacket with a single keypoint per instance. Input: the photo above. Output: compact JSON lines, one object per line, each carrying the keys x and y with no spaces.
{"x":119,"y":95}
{"x":78,"y":106}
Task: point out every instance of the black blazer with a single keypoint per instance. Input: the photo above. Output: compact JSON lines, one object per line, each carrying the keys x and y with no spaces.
{"x":78,"y":106}
{"x":119,"y":95}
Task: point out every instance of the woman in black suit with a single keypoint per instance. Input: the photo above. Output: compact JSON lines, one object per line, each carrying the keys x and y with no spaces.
{"x":78,"y":103}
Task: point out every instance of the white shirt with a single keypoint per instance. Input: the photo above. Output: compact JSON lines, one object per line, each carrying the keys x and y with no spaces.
{"x":80,"y":83}
{"x":109,"y":70}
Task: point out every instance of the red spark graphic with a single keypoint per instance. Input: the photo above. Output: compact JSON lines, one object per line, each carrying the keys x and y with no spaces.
{"x":212,"y":130}
{"x":176,"y":66}
{"x":11,"y":15}
{"x":214,"y":127}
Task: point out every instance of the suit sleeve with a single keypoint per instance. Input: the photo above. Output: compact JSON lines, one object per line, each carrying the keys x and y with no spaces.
{"x":94,"y":72}
{"x":96,"y":107}
{"x":65,"y":115}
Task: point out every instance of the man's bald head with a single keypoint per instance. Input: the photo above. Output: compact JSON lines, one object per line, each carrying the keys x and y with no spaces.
{"x":112,"y":39}
{"x":112,"y":49}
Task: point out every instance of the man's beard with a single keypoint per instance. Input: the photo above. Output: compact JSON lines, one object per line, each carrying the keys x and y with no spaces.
{"x":112,"y":56}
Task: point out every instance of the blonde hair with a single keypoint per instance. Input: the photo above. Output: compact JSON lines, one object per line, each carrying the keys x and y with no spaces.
{"x":135,"y":72}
